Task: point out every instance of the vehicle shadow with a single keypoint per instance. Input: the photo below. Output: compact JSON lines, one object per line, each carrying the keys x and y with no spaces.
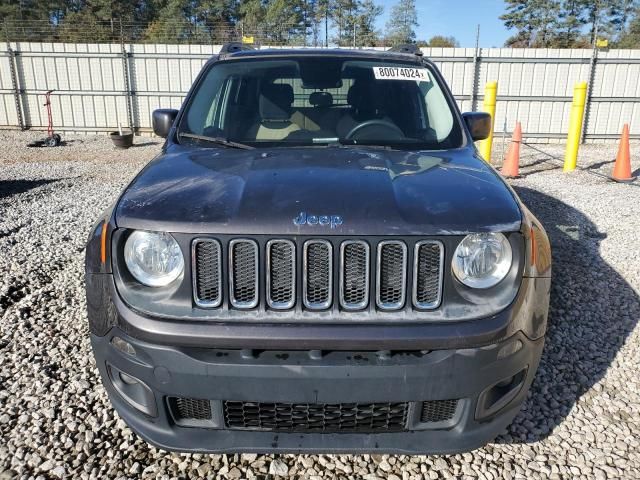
{"x":9,"y":188}
{"x":592,"y":312}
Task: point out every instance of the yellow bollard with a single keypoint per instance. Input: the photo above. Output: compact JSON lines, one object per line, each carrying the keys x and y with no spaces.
{"x":575,"y":126}
{"x":490,"y":93}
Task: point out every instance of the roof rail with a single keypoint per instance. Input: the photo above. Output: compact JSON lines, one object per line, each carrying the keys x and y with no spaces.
{"x":408,"y":48}
{"x":233,"y":47}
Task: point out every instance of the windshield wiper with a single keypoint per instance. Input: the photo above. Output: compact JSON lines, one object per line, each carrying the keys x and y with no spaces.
{"x":217,"y":140}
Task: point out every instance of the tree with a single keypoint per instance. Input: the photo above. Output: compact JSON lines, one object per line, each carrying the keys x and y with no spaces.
{"x":534,"y":20}
{"x":442,"y":42}
{"x":170,"y":24}
{"x":630,"y":38}
{"x":368,"y":13}
{"x":343,"y":14}
{"x":252,"y":13}
{"x":620,"y":12}
{"x":284,"y":21}
{"x":566,"y":23}
{"x":402,"y":22}
{"x":571,"y":19}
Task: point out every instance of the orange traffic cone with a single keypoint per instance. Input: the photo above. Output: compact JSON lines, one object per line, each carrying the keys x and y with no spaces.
{"x":511,"y":163}
{"x":622,"y":168}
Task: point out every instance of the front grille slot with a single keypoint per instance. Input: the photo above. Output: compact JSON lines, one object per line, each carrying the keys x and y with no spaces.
{"x":281,"y":274}
{"x":354,"y":275}
{"x":391,"y":281}
{"x":437,"y":411}
{"x":190,"y":408}
{"x":243,"y":261}
{"x":207,"y":276}
{"x":316,"y":417}
{"x":427,"y":274}
{"x":318,"y":274}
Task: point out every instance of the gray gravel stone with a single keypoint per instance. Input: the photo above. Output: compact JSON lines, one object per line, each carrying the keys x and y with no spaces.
{"x":581,"y":418}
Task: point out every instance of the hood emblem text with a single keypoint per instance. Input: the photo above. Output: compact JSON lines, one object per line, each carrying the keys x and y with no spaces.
{"x":323,"y":220}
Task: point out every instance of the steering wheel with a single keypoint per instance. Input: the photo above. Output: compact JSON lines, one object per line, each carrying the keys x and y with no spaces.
{"x":374,"y":123}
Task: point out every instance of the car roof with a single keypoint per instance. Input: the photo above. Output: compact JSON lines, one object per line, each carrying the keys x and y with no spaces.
{"x":324,"y":52}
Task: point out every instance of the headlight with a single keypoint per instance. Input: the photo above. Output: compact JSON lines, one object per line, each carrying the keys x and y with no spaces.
{"x":154,"y":259}
{"x":482,"y":259}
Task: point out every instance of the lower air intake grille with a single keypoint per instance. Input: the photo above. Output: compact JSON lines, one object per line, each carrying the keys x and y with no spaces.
{"x":190,"y":408}
{"x":436,"y":411}
{"x":316,"y":417}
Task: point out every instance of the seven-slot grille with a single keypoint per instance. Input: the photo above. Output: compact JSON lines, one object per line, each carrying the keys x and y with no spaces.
{"x":316,"y":417}
{"x":356,"y":273}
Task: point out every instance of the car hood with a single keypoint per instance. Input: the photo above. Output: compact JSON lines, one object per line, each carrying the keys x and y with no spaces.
{"x":372,"y":191}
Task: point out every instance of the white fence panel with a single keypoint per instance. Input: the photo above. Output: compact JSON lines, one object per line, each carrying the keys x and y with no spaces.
{"x":535,"y":86}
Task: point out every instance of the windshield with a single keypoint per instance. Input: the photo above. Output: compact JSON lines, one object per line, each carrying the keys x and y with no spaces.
{"x":314,"y":101}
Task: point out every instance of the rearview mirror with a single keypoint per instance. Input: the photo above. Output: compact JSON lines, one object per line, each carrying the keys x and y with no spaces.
{"x":162,"y":120}
{"x":479,"y":124}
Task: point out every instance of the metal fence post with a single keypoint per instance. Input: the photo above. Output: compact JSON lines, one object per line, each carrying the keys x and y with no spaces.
{"x":127,"y":82}
{"x":15,"y":81}
{"x":476,"y":72}
{"x":587,"y":108}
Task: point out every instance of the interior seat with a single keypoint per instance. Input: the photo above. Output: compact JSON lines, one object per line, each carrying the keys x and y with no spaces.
{"x":274,"y":105}
{"x":364,"y":106}
{"x":320,"y":117}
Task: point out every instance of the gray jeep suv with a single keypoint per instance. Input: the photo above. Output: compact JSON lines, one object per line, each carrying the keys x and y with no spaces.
{"x":318,"y":261}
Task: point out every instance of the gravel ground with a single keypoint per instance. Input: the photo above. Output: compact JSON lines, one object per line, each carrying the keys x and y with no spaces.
{"x":581,"y":419}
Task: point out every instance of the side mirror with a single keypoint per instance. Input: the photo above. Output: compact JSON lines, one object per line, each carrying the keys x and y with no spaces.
{"x":479,"y":124}
{"x":162,"y":120}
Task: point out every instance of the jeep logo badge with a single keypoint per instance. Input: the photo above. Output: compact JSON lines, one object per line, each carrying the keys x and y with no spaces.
{"x":322,"y":220}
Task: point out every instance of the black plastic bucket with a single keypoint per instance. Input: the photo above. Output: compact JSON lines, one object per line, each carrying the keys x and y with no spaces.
{"x":122,"y":141}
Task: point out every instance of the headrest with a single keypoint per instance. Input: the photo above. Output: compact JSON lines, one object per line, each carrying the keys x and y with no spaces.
{"x":275,"y":102}
{"x":321,"y":99}
{"x":358,"y":97}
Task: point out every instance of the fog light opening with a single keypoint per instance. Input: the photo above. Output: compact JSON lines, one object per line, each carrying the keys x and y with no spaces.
{"x":500,"y":394}
{"x":123,"y":346}
{"x":133,"y":390}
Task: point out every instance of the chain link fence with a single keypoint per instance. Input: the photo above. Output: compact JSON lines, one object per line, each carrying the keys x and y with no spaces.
{"x":181,"y":33}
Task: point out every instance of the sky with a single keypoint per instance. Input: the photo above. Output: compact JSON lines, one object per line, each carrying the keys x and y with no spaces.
{"x":457,"y":18}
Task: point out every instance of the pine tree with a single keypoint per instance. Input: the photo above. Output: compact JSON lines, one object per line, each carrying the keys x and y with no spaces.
{"x":630,"y":37}
{"x":570,"y":22}
{"x":284,"y":21}
{"x":368,"y":13}
{"x":321,"y":16}
{"x":620,"y":12}
{"x":252,"y":13}
{"x":402,"y":22}
{"x":344,"y":14}
{"x":534,"y":20}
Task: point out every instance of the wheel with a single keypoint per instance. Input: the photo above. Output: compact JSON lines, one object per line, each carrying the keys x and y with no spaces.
{"x":50,"y":142}
{"x":58,"y":138}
